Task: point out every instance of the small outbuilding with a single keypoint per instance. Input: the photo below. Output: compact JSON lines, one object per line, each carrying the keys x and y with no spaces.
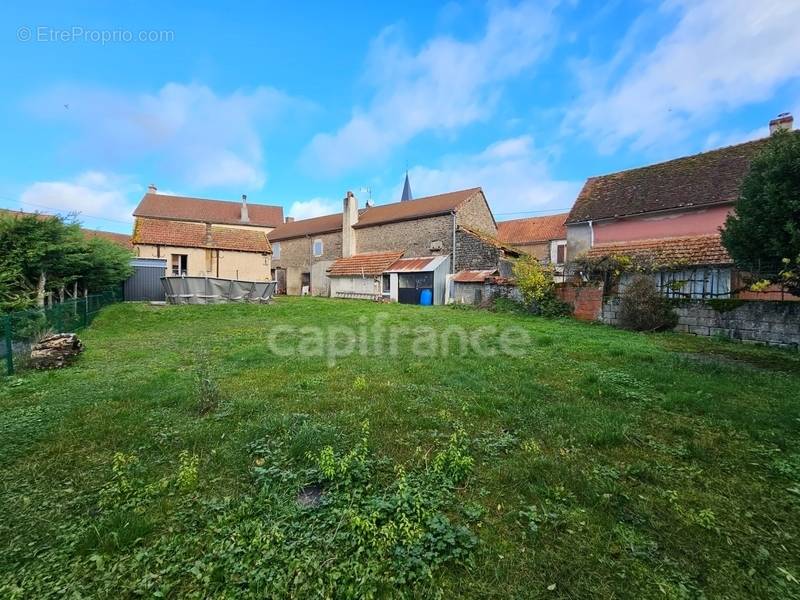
{"x":408,"y":278}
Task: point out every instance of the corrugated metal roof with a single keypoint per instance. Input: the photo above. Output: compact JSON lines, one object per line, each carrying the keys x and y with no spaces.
{"x":473,"y":276}
{"x":417,"y":265}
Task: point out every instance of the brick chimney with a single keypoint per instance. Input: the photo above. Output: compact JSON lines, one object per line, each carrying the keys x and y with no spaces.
{"x":783,"y":122}
{"x":152,"y":189}
{"x":290,"y":219}
{"x":245,"y":218}
{"x":349,"y":219}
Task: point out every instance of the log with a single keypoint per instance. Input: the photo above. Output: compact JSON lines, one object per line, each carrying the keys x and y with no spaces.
{"x":55,"y":351}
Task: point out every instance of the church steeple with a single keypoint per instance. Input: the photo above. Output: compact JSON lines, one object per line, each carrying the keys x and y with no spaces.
{"x":406,"y":190}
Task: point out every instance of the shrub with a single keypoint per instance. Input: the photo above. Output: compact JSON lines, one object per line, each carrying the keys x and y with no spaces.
{"x":642,"y":308}
{"x":538,"y":288}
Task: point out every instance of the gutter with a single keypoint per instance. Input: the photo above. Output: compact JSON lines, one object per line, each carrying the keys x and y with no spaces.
{"x":453,"y":266}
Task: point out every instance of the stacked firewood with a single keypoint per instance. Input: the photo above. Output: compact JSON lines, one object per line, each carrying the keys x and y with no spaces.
{"x":55,"y":351}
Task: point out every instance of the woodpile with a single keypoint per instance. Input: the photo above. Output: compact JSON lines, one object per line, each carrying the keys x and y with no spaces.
{"x":55,"y":351}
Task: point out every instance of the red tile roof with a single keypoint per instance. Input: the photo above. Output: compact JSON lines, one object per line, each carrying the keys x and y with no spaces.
{"x":121,"y":239}
{"x":430,"y":206}
{"x":304,"y":227}
{"x":473,"y":276}
{"x":198,"y":235}
{"x":703,"y":179}
{"x":491,"y":240}
{"x":668,"y":252}
{"x":520,"y":232}
{"x":369,"y":264}
{"x":181,"y":208}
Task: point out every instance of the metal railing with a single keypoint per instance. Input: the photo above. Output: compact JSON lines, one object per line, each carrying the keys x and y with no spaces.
{"x":22,"y":329}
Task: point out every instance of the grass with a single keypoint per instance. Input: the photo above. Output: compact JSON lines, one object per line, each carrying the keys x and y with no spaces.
{"x":596,"y":463}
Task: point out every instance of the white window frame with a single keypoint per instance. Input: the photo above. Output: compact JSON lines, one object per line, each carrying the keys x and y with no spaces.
{"x":314,"y":247}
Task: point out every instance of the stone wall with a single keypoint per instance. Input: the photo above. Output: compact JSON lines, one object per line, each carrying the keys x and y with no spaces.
{"x":414,"y":237}
{"x":478,"y":293}
{"x":773,"y":323}
{"x":475,"y":214}
{"x":296,"y":257}
{"x":475,"y":254}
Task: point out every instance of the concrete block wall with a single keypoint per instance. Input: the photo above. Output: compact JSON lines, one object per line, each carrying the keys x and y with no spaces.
{"x":772,"y":323}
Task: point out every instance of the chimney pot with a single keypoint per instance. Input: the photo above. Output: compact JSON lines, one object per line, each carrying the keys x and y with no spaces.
{"x":783,"y":122}
{"x":290,"y":219}
{"x":152,"y":189}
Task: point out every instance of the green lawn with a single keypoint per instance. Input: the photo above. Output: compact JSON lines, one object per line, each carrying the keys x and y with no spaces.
{"x":595,"y":463}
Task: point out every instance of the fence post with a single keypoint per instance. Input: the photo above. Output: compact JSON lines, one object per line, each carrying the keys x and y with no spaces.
{"x":85,"y":311}
{"x":58,"y":318}
{"x":9,"y":346}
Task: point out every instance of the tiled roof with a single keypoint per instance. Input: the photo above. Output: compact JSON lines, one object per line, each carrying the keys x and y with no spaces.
{"x":121,"y":239}
{"x":198,"y":235}
{"x":369,"y":264}
{"x":181,"y":208}
{"x":493,"y":241}
{"x":304,"y":227}
{"x":703,"y":179}
{"x":690,"y":251}
{"x":519,"y":232}
{"x":473,"y":276}
{"x":430,"y":206}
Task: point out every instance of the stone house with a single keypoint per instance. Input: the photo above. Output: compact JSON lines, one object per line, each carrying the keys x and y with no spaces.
{"x":206,"y":238}
{"x":668,"y":215}
{"x":544,"y":238}
{"x":458,"y":225}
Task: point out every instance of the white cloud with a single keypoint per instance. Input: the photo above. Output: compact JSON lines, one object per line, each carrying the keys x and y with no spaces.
{"x":92,"y":194}
{"x":721,"y":55}
{"x":203,"y":138}
{"x":446,"y":85}
{"x":315,"y":207}
{"x":513,"y":175}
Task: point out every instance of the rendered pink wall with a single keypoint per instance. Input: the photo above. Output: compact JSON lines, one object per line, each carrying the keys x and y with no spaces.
{"x":698,"y":221}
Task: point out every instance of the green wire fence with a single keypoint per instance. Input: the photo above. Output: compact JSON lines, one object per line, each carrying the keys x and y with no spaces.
{"x":21,"y":329}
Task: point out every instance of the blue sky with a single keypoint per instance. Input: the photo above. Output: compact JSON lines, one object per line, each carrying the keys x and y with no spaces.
{"x":296,"y":106}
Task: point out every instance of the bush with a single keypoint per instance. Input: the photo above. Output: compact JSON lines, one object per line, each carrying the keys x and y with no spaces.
{"x":643,"y":309}
{"x":538,"y":288}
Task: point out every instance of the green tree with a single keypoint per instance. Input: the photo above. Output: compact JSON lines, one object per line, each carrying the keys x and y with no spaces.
{"x":763,"y":233}
{"x":41,"y":255}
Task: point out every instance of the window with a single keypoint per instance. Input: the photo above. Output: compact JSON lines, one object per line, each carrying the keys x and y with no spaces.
{"x":701,"y":282}
{"x":561,"y":254}
{"x":179,"y":264}
{"x":387,"y":283}
{"x":276,"y":250}
{"x":317,"y":247}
